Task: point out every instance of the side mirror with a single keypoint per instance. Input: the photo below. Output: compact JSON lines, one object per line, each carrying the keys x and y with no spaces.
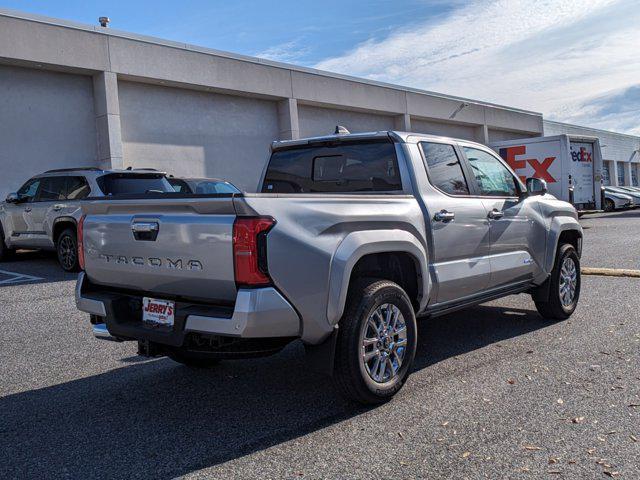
{"x":536,"y":186}
{"x":13,"y":198}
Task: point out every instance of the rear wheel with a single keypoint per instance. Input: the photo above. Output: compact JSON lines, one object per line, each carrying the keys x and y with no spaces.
{"x":564,"y":288}
{"x":193,"y":360}
{"x":609,"y":206}
{"x":67,"y":249}
{"x":376,"y":342}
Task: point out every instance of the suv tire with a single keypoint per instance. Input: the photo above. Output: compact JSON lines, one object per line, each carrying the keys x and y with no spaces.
{"x":67,"y":250}
{"x":5,"y":252}
{"x":564,"y":288}
{"x":193,"y":360}
{"x":376,"y":342}
{"x":609,"y":206}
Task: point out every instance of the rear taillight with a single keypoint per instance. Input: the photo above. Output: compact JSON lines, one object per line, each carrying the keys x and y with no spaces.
{"x":250,"y":250}
{"x":80,"y":236}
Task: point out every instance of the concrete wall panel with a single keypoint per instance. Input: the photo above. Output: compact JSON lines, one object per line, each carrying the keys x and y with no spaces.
{"x":316,"y":121}
{"x":160,"y":62}
{"x":445,"y":129}
{"x":46,"y":122}
{"x":503,"y":135}
{"x":331,"y":91}
{"x":191,"y":133}
{"x":41,"y":43}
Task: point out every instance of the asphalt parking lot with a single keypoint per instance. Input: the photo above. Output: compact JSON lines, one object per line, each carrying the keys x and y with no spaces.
{"x":497,"y":392}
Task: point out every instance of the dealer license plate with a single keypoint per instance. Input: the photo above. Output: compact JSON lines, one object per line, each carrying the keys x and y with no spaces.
{"x":158,"y":312}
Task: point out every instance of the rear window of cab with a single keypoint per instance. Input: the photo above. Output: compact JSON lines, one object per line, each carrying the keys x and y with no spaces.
{"x":362,"y":166}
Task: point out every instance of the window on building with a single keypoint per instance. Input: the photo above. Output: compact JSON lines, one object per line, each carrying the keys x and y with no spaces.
{"x":634,"y":174}
{"x":444,"y":169}
{"x":493,"y":178}
{"x":366,"y":166}
{"x":620,"y":171}
{"x":606,"y":176}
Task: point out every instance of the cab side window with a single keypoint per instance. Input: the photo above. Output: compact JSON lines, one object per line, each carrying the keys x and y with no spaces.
{"x":493,"y":178}
{"x":27,"y":192}
{"x":52,"y":189}
{"x":77,"y":188}
{"x":444,"y":169}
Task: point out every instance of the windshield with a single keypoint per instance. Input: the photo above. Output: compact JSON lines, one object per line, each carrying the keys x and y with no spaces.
{"x":133,"y":183}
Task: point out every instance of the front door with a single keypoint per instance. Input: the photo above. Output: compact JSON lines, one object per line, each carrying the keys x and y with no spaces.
{"x":19,"y":224}
{"x":459,"y":225}
{"x":514,"y":251}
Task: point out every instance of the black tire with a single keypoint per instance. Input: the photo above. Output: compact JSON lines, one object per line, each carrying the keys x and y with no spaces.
{"x":609,"y":206}
{"x":5,"y":252}
{"x":193,"y":360}
{"x":553,"y":308}
{"x":67,"y":250}
{"x":351,"y":376}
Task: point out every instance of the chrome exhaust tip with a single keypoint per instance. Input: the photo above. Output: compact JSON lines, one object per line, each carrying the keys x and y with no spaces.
{"x":100,"y":331}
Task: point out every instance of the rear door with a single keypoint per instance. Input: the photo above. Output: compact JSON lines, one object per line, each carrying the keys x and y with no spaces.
{"x":50,"y":201}
{"x":459,"y":223}
{"x":515,"y":232}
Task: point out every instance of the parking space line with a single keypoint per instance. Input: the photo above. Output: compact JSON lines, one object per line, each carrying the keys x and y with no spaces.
{"x":611,"y":272}
{"x":18,"y":278}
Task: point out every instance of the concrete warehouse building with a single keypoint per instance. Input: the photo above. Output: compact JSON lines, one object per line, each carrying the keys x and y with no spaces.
{"x":79,"y":95}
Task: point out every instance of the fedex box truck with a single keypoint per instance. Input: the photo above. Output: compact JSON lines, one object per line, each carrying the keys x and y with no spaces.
{"x":571,"y":166}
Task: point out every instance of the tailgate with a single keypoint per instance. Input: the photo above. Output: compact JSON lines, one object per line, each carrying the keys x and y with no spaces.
{"x":176,"y":247}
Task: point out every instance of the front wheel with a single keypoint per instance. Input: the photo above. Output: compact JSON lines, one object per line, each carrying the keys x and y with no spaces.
{"x":5,"y":252}
{"x":67,"y":249}
{"x":376,"y":342}
{"x":609,"y":206}
{"x":564,"y":288}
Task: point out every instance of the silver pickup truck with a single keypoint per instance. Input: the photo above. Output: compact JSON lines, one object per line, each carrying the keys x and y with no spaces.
{"x":351,"y":238}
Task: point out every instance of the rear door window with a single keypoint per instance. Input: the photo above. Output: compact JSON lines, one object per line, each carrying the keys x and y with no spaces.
{"x":444,"y":169}
{"x":77,"y":188}
{"x":367,"y":166}
{"x":133,"y":184}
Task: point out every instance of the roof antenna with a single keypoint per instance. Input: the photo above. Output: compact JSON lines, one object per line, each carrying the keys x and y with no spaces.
{"x":340,"y":130}
{"x":104,"y":21}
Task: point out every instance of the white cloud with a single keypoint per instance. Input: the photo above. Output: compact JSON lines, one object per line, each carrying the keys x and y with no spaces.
{"x":284,"y":52}
{"x":553,"y":56}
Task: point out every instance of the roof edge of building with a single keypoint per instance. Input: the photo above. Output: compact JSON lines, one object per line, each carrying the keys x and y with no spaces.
{"x":247,"y":58}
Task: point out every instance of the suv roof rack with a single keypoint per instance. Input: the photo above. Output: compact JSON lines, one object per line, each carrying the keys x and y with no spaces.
{"x":78,"y":169}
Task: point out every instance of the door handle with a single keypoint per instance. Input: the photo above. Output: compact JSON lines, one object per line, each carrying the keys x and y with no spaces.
{"x":495,"y":214}
{"x":444,"y":216}
{"x":145,"y":227}
{"x":57,"y":208}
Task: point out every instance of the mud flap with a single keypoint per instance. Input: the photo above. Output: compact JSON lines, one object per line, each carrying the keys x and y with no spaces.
{"x":542,"y":292}
{"x":320,"y":358}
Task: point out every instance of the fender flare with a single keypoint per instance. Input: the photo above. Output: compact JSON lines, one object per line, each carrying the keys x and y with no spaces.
{"x":558,"y":225}
{"x":64,"y":219}
{"x":358,"y":244}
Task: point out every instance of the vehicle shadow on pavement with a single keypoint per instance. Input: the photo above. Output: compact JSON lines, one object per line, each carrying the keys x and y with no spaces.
{"x":41,"y":266}
{"x":158,"y":419}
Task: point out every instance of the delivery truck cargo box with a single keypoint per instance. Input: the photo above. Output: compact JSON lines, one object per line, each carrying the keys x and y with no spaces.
{"x":571,"y":166}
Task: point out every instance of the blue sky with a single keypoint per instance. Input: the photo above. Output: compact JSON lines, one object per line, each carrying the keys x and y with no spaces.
{"x":573,"y":60}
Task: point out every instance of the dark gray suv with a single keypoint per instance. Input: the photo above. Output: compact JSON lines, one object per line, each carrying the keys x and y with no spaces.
{"x":43,"y":213}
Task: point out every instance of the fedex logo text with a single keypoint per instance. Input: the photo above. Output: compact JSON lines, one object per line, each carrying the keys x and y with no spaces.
{"x":583,"y":155}
{"x":541,"y":169}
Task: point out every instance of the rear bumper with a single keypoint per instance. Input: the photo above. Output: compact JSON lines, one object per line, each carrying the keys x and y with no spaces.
{"x":258,"y":313}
